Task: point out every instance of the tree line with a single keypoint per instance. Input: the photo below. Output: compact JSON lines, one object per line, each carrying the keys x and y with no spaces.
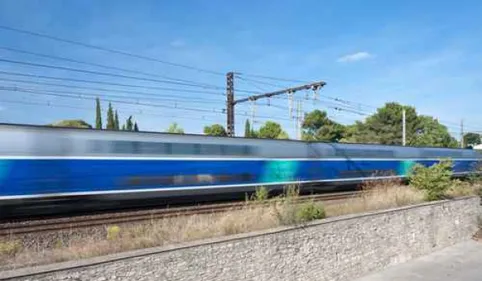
{"x":382,"y":127}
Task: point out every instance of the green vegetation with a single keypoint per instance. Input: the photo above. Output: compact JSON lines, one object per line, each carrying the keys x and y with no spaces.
{"x":71,"y":124}
{"x":318,"y":127}
{"x":98,"y":115}
{"x":436,"y":181}
{"x":175,"y":129}
{"x":113,"y":232}
{"x":10,"y":248}
{"x":215,"y":130}
{"x":472,"y":139}
{"x":110,"y":118}
{"x":260,"y":195}
{"x":310,"y":211}
{"x":382,"y":127}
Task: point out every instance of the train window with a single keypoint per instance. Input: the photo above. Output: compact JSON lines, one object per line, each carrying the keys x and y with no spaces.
{"x":124,"y":147}
{"x":154,"y":148}
{"x":49,"y":145}
{"x":185,"y":148}
{"x":211,"y":149}
{"x":235,"y":150}
{"x":133,"y":147}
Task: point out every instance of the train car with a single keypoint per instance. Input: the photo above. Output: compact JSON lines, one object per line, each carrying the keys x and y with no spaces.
{"x":45,"y":163}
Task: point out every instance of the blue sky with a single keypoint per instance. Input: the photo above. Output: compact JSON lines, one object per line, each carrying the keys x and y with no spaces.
{"x":422,"y":53}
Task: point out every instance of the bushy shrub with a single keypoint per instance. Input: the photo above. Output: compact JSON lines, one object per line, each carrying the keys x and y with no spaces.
{"x":289,"y":211}
{"x":434,"y":180}
{"x":310,"y":211}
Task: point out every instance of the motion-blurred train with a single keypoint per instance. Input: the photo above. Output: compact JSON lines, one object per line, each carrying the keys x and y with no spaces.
{"x":39,"y":163}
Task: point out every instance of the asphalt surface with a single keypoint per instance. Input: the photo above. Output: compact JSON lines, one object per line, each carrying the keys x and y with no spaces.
{"x":462,"y":262}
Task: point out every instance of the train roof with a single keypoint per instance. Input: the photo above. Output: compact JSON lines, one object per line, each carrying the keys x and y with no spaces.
{"x":190,"y":135}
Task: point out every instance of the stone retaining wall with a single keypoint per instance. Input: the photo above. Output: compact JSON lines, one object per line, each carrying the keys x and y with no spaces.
{"x":340,"y":248}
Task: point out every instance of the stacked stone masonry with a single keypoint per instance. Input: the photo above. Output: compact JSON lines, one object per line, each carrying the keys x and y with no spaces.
{"x":340,"y":248}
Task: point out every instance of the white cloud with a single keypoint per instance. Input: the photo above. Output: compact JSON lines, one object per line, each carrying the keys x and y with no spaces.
{"x":178,"y":43}
{"x":355,"y":57}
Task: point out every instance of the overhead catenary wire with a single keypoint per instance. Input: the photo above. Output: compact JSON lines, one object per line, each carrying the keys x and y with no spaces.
{"x":57,"y":78}
{"x":141,"y":93}
{"x":136,"y":98}
{"x":102,"y":66}
{"x":77,"y":96}
{"x":105,"y":49}
{"x":78,"y":70}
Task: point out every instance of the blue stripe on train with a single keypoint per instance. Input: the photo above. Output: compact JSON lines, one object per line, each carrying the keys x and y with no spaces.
{"x":29,"y":176}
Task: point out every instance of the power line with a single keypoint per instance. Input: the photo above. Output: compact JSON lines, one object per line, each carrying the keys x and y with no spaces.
{"x":273,"y":78}
{"x":118,"y":84}
{"x":252,"y":81}
{"x":100,"y":65}
{"x":107,"y":49}
{"x":122,"y":110}
{"x":16,"y":89}
{"x":107,"y":83}
{"x":35,"y":92}
{"x":106,"y":74}
{"x":96,"y":89}
{"x":174,"y":99}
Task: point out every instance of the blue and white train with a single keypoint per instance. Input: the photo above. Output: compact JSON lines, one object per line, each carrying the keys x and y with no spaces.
{"x":42,"y":163}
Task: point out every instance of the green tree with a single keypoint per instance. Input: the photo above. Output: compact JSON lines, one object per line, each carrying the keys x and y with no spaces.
{"x":116,"y":121}
{"x":71,"y":124}
{"x":385,"y":126}
{"x":271,"y":130}
{"x":175,"y":129}
{"x":247,"y":129}
{"x":136,"y":128}
{"x":429,"y":132}
{"x":283,"y":136}
{"x":471,"y":139}
{"x":123,"y":127}
{"x":129,"y":124}
{"x":98,"y":115}
{"x":110,"y":118}
{"x":215,"y":130}
{"x":317,"y":126}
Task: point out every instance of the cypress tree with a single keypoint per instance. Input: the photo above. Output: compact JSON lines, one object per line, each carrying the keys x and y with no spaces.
{"x":129,"y":125}
{"x":136,"y":128}
{"x":98,"y":115}
{"x":247,"y":129}
{"x":110,"y":118}
{"x":116,"y":121}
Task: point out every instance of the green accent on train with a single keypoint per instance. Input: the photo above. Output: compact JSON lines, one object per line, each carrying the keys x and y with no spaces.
{"x":405,"y":167}
{"x":280,"y":170}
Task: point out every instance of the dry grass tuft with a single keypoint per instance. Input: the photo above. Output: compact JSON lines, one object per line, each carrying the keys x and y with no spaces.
{"x":378,"y":195}
{"x":463,"y":188}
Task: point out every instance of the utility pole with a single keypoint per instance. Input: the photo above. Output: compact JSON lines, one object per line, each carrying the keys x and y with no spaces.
{"x":462,"y":133}
{"x":300,"y":120}
{"x":403,"y":128}
{"x":231,"y":102}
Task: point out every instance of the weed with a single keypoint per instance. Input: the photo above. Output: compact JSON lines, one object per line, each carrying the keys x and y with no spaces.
{"x":113,"y":232}
{"x":261,"y":194}
{"x":10,"y":248}
{"x":310,"y":211}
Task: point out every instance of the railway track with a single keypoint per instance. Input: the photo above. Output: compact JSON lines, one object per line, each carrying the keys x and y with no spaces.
{"x":88,"y":221}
